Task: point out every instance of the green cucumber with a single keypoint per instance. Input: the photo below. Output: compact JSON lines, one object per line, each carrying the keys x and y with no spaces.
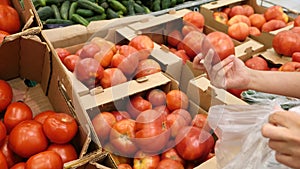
{"x":45,"y":12}
{"x":58,"y":21}
{"x":90,"y":5}
{"x":180,"y":1}
{"x":156,"y":5}
{"x":146,"y":9}
{"x":97,"y":17}
{"x":138,"y":8}
{"x":165,"y":4}
{"x":111,"y":14}
{"x":64,"y":9}
{"x":130,"y":7}
{"x":56,"y":11}
{"x":79,"y":19}
{"x":73,"y":8}
{"x":117,"y":6}
{"x":173,"y":3}
{"x":104,"y":5}
{"x":85,"y":12}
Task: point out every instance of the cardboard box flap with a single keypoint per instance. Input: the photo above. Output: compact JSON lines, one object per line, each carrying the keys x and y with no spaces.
{"x":219,"y":4}
{"x":245,"y":50}
{"x":123,"y":90}
{"x":275,"y":58}
{"x":209,"y":164}
{"x":82,"y":161}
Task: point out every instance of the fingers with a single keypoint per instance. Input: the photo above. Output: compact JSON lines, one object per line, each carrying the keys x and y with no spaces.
{"x":279,"y":118}
{"x":287,"y":160}
{"x":274,"y":132}
{"x":280,"y":146}
{"x":197,"y":62}
{"x":208,"y":60}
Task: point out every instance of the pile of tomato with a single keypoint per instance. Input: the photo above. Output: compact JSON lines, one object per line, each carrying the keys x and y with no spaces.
{"x":9,"y":19}
{"x":33,"y":142}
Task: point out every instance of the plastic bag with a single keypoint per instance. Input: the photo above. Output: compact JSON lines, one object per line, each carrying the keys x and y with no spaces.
{"x":241,"y":144}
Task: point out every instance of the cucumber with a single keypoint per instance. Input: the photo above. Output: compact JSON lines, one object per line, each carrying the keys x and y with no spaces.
{"x":125,"y":2}
{"x":85,"y":12}
{"x":173,"y":3}
{"x":64,"y":9}
{"x":45,"y":12}
{"x":180,"y":1}
{"x":165,"y":4}
{"x":79,"y":19}
{"x":138,"y":8}
{"x":72,"y":9}
{"x":58,"y":21}
{"x":36,"y":3}
{"x":56,"y":11}
{"x":156,"y":5}
{"x":146,"y":9}
{"x":42,"y":2}
{"x":104,"y":5}
{"x":96,"y":17}
{"x":90,"y":5}
{"x":117,"y":6}
{"x":130,"y":7}
{"x":111,"y":14}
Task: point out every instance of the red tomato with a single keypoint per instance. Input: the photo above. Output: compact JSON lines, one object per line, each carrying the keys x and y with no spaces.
{"x":193,"y":43}
{"x":2,"y":35}
{"x":257,"y":63}
{"x":122,"y":137}
{"x":127,"y":50}
{"x":89,"y":50}
{"x":184,"y":113}
{"x":239,"y":31}
{"x":176,"y":99}
{"x":124,"y":166}
{"x":162,"y":110}
{"x":136,"y":105}
{"x":20,"y":165}
{"x":147,"y":67}
{"x":297,"y":21}
{"x":9,"y":19}
{"x":187,"y":29}
{"x":174,"y":38}
{"x":11,"y":157}
{"x":66,"y":151}
{"x":5,"y":2}
{"x":41,"y":117}
{"x":195,"y":18}
{"x":236,"y":92}
{"x":27,"y":138}
{"x":15,"y":113}
{"x":70,"y":61}
{"x":2,"y":132}
{"x":6,"y":95}
{"x":169,"y":164}
{"x":286,"y":42}
{"x":199,"y":120}
{"x":151,"y":131}
{"x":60,"y":128}
{"x":145,"y":161}
{"x":102,"y":124}
{"x":3,"y":162}
{"x":156,"y":97}
{"x":221,"y":17}
{"x":143,"y":44}
{"x":188,"y":140}
{"x":112,"y":77}
{"x":172,"y":154}
{"x":127,"y":64}
{"x":45,"y":159}
{"x":62,"y":53}
{"x":296,"y":57}
{"x":182,"y":54}
{"x":176,"y":122}
{"x":272,"y":25}
{"x":120,"y":115}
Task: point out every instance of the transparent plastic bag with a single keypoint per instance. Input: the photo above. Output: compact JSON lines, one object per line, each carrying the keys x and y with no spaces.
{"x":241,"y":144}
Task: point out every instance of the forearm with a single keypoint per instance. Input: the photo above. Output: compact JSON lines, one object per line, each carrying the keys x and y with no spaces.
{"x":276,"y":82}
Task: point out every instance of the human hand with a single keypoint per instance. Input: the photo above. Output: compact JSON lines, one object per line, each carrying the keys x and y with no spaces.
{"x":230,"y":73}
{"x":283,"y":131}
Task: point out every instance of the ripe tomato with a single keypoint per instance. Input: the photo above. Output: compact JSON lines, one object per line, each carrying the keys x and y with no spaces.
{"x":143,"y":44}
{"x":193,"y":43}
{"x":41,"y":117}
{"x":145,"y":160}
{"x":120,"y":115}
{"x":20,"y":165}
{"x":286,"y":42}
{"x":272,"y":25}
{"x":147,"y":67}
{"x":199,"y":120}
{"x":11,"y":157}
{"x":236,"y":10}
{"x":127,"y":64}
{"x":70,"y":61}
{"x":239,"y":18}
{"x":186,"y":29}
{"x":112,"y":77}
{"x":257,"y":63}
{"x":156,"y":97}
{"x":182,"y":54}
{"x":2,"y":35}
{"x":60,"y":128}
{"x":176,"y":122}
{"x":296,"y":57}
{"x":162,"y":110}
{"x":67,"y":151}
{"x":297,"y":21}
{"x":170,"y":164}
{"x":9,"y":19}
{"x":122,"y":137}
{"x":239,"y":31}
{"x":15,"y":113}
{"x":62,"y":53}
{"x":221,"y":17}
{"x":151,"y":131}
{"x":127,"y":50}
{"x":124,"y":166}
{"x":27,"y":138}
{"x":2,"y":132}
{"x":174,"y":37}
{"x":136,"y":105}
{"x":102,"y":124}
{"x":5,"y":2}
{"x":89,"y":50}
{"x":6,"y":95}
{"x":172,"y":154}
{"x":3,"y":162}
{"x":195,"y":18}
{"x":176,"y":99}
{"x":45,"y":159}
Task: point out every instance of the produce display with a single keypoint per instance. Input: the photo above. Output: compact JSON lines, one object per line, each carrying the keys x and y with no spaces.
{"x":84,"y":11}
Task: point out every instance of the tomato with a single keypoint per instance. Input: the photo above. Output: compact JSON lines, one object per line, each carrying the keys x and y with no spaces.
{"x":239,"y":18}
{"x":3,"y":132}
{"x":143,"y":44}
{"x":27,"y":138}
{"x":70,"y":61}
{"x":170,"y":164}
{"x":236,"y":10}
{"x":144,"y":160}
{"x":6,"y":95}
{"x":257,"y":20}
{"x":296,"y":57}
{"x":221,"y":17}
{"x":89,"y":50}
{"x":20,"y":165}
{"x":66,"y":151}
{"x":41,"y":117}
{"x":272,"y":25}
{"x":177,"y":99}
{"x":5,"y":2}
{"x":239,"y":31}
{"x":236,"y":92}
{"x":112,"y":77}
{"x":127,"y":64}
{"x":184,"y":113}
{"x":136,"y":105}
{"x":290,"y":67}
{"x":257,"y":63}
{"x":11,"y":157}
{"x":60,"y":128}
{"x":188,"y":140}
{"x":297,"y":21}
{"x":2,"y":35}
{"x":3,"y":162}
{"x":15,"y":113}
{"x":102,"y":124}
{"x":163,"y":109}
{"x":222,"y":44}
{"x":120,"y":115}
{"x":151,"y":131}
{"x":9,"y":19}
{"x":193,"y":43}
{"x":45,"y":159}
{"x":127,"y":50}
{"x":156,"y":97}
{"x":254,"y":31}
{"x":124,"y":166}
{"x":275,"y":13}
{"x":172,"y":154}
{"x":176,"y":122}
{"x":186,"y":29}
{"x":121,"y":137}
{"x":174,"y":37}
{"x":147,"y":67}
{"x":194,"y":18}
{"x":182,"y":54}
{"x":286,"y":42}
{"x":248,"y":10}
{"x":199,"y":120}
{"x":89,"y":71}
{"x":62,"y":53}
